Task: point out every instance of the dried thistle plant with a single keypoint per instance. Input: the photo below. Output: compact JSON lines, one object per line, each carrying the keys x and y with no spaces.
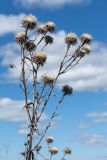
{"x":41,"y":91}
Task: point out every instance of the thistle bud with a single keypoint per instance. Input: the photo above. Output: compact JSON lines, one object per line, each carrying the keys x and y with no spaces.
{"x":67,"y":90}
{"x":39,"y":58}
{"x":71,"y":39}
{"x":80,"y":53}
{"x":67,"y":150}
{"x":48,"y":79}
{"x":30,"y":46}
{"x":49,"y":139}
{"x":29,"y":22}
{"x":86,"y":48}
{"x":53,"y":150}
{"x":41,"y":29}
{"x":38,"y":148}
{"x":50,"y":26}
{"x":48,"y":39}
{"x":86,"y":38}
{"x":21,"y":37}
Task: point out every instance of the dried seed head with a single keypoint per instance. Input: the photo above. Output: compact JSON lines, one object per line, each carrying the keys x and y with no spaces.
{"x":39,"y":58}
{"x":48,"y":79}
{"x":30,"y":46}
{"x":38,"y":148}
{"x":29,"y":22}
{"x":12,"y":66}
{"x":21,"y":37}
{"x":86,"y":48}
{"x":67,"y":90}
{"x":48,"y":39}
{"x":71,"y":39}
{"x":50,"y":26}
{"x":23,"y":154}
{"x":86,"y":38}
{"x":80,"y":53}
{"x":67,"y":150}
{"x":53,"y":150}
{"x":41,"y":29}
{"x":49,"y":139}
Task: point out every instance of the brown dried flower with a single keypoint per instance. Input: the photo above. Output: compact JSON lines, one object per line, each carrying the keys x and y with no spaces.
{"x":50,"y":26}
{"x":39,"y":58}
{"x":49,"y":139}
{"x":48,"y":79}
{"x":48,"y":39}
{"x":71,"y":39}
{"x":38,"y":148}
{"x":29,"y":22}
{"x":30,"y":46}
{"x":80,"y":53}
{"x":21,"y":37}
{"x":86,"y":48}
{"x":53,"y":150}
{"x":86,"y":38}
{"x":67,"y":150}
{"x":67,"y":90}
{"x":41,"y":29}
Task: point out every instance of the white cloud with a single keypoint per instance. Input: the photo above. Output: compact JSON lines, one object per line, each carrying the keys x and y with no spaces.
{"x":10,"y":23}
{"x":55,"y":3}
{"x":84,"y":125}
{"x":92,"y":140}
{"x":96,"y":118}
{"x":90,"y":74}
{"x":96,"y":115}
{"x":12,"y":110}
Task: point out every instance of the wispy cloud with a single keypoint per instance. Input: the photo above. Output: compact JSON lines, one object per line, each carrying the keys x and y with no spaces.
{"x":51,"y":4}
{"x":96,"y":115}
{"x":95,"y":119}
{"x":92,"y":140}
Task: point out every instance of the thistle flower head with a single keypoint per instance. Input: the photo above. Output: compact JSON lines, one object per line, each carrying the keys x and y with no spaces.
{"x":48,"y":39}
{"x":38,"y":148}
{"x":50,"y":26}
{"x":67,"y":150}
{"x":86,"y":38}
{"x":30,"y":46}
{"x":80,"y":53}
{"x":86,"y":48}
{"x":49,"y":139}
{"x":71,"y":39}
{"x":48,"y":79}
{"x":53,"y":150}
{"x":29,"y":22}
{"x":21,"y":37}
{"x":41,"y":29}
{"x":67,"y":90}
{"x":39,"y":58}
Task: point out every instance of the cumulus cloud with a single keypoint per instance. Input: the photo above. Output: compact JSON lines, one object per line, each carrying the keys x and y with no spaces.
{"x":90,"y":74}
{"x":12,"y":110}
{"x":10,"y":23}
{"x":55,"y":3}
{"x":92,"y":140}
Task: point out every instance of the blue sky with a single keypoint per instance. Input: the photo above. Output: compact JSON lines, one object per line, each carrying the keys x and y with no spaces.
{"x":82,"y":124}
